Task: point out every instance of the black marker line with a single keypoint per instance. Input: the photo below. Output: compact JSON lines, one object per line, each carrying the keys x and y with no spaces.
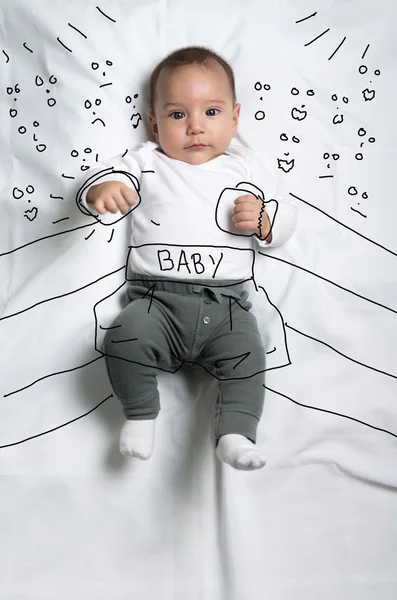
{"x":62,"y":44}
{"x":105,"y":84}
{"x":331,"y":412}
{"x":230,"y":313}
{"x":25,"y":46}
{"x":46,"y":238}
{"x":6,"y":55}
{"x":158,"y":224}
{"x":282,"y":322}
{"x":357,"y":362}
{"x":237,"y":302}
{"x":56,"y":197}
{"x":343,"y":225}
{"x":271,"y":351}
{"x":88,"y":236}
{"x":325,"y":176}
{"x":61,"y":295}
{"x":122,"y":156}
{"x":68,"y":176}
{"x":217,"y":266}
{"x":78,"y":30}
{"x":111,"y":236}
{"x":146,"y":171}
{"x":59,"y":220}
{"x":360,"y":213}
{"x":151,"y":292}
{"x":55,"y":428}
{"x":221,"y":360}
{"x":305,"y":18}
{"x":52,"y":375}
{"x":97,"y":119}
{"x":122,"y":341}
{"x":318,"y":37}
{"x":107,"y":328}
{"x":365,"y":51}
{"x":246,"y":355}
{"x":329,"y":281}
{"x":336,"y":50}
{"x":107,"y":16}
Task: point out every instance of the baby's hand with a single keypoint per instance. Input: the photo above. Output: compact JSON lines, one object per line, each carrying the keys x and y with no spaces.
{"x":111,"y":196}
{"x":246,"y":213}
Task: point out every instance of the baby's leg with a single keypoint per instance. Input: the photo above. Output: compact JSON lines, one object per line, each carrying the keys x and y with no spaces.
{"x":135,"y":346}
{"x":137,"y":438}
{"x":239,"y":452}
{"x":237,"y":352}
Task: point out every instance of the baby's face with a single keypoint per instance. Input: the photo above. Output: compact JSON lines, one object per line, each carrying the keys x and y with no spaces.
{"x":194,"y":105}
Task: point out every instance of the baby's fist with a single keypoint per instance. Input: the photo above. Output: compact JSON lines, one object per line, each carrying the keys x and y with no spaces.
{"x":112,"y":196}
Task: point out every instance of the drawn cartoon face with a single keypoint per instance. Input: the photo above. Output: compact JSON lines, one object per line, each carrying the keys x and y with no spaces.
{"x":260,"y":114}
{"x":135,"y":117}
{"x":368,"y":94}
{"x":18,"y":194}
{"x":88,"y":104}
{"x":362,"y":133}
{"x":39,"y":81}
{"x":328,"y":156}
{"x":338,"y":118}
{"x":85,"y":156}
{"x":296,"y":113}
{"x":352,"y":191}
{"x":22,"y":129}
{"x":39,"y":146}
{"x":288,"y":164}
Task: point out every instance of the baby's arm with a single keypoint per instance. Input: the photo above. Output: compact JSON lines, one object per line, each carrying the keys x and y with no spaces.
{"x":111,"y":189}
{"x":250,"y":213}
{"x":281,"y":213}
{"x":112,"y":196}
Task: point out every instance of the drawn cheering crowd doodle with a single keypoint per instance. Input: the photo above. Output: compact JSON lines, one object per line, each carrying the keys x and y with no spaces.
{"x":84,"y":156}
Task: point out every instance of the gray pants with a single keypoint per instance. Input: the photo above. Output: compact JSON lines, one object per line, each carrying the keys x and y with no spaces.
{"x":170,"y":323}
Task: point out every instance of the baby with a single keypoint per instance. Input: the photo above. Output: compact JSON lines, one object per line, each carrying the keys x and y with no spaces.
{"x":186,"y":295}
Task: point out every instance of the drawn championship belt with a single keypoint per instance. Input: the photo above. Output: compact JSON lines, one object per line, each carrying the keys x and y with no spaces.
{"x":193,"y":262}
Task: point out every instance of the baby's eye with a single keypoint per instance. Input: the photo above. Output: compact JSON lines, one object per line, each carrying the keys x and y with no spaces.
{"x":213,"y":109}
{"x":177,"y":112}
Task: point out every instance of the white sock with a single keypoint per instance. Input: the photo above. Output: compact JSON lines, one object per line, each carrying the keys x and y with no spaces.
{"x":137,"y":438}
{"x":239,"y":452}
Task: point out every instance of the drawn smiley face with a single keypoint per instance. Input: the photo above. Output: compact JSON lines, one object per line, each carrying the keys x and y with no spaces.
{"x":85,"y":155}
{"x":31,"y":213}
{"x":287,"y":164}
{"x":368,"y":94}
{"x":296,"y":113}
{"x":135,"y":117}
{"x":339,"y":117}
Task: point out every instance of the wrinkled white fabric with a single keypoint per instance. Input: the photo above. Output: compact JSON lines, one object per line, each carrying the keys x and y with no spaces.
{"x":77,"y":519}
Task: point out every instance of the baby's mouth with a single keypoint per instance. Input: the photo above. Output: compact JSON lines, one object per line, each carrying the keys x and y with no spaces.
{"x":196,"y":146}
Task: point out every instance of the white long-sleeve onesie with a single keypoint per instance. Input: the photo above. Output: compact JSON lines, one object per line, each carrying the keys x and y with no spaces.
{"x":181,"y":224}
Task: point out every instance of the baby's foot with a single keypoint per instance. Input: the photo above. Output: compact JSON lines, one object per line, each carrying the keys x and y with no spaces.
{"x":137,"y":438}
{"x":239,"y":452}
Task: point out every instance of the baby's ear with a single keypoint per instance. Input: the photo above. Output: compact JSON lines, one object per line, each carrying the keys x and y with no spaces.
{"x":153,"y":122}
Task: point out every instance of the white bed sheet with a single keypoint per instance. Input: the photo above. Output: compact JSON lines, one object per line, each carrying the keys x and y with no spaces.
{"x":78,"y":520}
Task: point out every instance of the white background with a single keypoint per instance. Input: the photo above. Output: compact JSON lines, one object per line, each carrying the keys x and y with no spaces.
{"x":78,"y":520}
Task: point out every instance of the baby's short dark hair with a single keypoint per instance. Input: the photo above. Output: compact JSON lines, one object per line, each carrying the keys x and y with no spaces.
{"x":190,"y":55}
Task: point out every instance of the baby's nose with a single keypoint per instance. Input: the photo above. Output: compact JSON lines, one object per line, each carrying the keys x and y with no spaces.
{"x":195,"y":124}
